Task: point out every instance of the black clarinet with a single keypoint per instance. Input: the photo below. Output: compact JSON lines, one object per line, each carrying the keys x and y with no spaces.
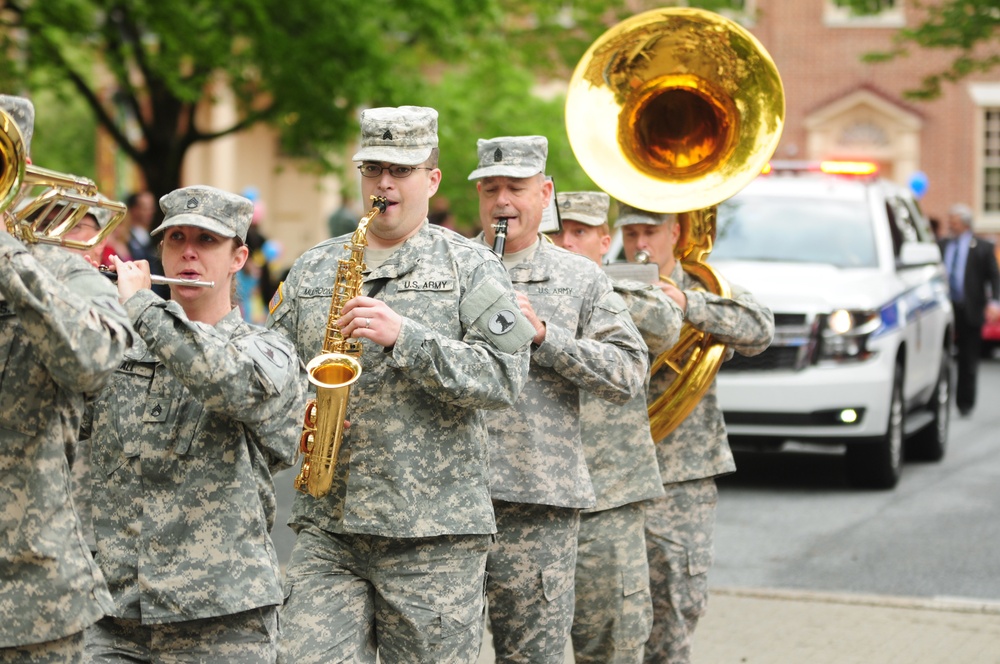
{"x":501,"y":236}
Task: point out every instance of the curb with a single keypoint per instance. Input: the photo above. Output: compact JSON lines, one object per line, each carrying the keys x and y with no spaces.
{"x":944,"y":604}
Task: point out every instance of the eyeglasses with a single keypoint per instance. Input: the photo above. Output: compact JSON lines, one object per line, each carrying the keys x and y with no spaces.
{"x":398,"y":171}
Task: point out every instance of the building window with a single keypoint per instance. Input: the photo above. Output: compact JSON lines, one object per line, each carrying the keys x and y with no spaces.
{"x":991,"y":160}
{"x":986,"y":97}
{"x":879,"y":14}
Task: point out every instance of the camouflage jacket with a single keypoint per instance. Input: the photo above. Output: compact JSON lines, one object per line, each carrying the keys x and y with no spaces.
{"x":698,"y":447}
{"x":621,"y":455}
{"x":184,"y":441}
{"x":590,"y":345}
{"x":414,"y":462}
{"x":62,"y":333}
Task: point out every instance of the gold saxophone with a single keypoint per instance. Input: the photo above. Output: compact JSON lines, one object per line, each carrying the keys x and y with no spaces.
{"x":334,"y":371}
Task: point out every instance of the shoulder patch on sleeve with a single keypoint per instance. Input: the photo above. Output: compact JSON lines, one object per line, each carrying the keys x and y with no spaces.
{"x":502,"y":321}
{"x":491,"y":309}
{"x":277,"y":298}
{"x":270,"y":359}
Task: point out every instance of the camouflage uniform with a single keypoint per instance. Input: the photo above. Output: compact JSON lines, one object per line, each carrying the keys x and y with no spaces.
{"x":62,"y":333}
{"x":185,"y":439}
{"x":614,"y":612}
{"x":680,"y":526}
{"x":540,"y":479}
{"x":395,"y":554}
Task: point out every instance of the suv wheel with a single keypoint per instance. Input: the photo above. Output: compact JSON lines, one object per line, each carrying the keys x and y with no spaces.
{"x":878,"y":464}
{"x":929,"y":443}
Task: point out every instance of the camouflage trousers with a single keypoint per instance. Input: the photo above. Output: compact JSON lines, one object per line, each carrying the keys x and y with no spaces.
{"x":67,"y":650}
{"x":614,"y":612}
{"x":248,"y":637}
{"x":679,"y":540}
{"x":530,"y":581}
{"x":410,"y":600}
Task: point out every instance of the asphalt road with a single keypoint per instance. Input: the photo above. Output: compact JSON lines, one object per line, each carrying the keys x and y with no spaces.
{"x":789,"y":520}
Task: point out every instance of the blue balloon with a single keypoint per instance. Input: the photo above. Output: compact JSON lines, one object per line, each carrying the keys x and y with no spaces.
{"x":252,"y":193}
{"x":918,"y":184}
{"x":272,"y":250}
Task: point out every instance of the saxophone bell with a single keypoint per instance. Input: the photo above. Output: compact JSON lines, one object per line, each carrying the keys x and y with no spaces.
{"x":323,"y":427}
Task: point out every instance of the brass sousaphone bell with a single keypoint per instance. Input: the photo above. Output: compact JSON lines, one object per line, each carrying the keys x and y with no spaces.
{"x":676,"y":110}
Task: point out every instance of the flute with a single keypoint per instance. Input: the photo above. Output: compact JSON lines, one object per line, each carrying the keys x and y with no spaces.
{"x":159,"y":279}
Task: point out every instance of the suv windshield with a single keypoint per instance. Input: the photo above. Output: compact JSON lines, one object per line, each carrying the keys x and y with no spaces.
{"x":796,"y":230}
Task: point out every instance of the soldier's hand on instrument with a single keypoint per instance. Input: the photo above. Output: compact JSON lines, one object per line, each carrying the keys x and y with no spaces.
{"x":529,"y":312}
{"x":675,"y":294}
{"x":368,"y":318}
{"x":133,"y":276}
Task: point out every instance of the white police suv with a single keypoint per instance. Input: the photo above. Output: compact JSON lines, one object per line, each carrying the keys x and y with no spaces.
{"x":862,"y":348}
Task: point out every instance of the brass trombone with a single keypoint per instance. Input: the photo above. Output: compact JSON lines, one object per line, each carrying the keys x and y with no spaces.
{"x":675,"y":110}
{"x":61,"y":205}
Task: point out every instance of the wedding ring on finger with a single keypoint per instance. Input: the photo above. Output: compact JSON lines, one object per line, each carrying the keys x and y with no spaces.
{"x":368,"y":322}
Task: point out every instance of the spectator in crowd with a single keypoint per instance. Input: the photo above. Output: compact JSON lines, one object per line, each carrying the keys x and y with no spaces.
{"x":344,"y":219}
{"x":974,"y":283}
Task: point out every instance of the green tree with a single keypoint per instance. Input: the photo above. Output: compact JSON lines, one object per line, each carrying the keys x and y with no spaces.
{"x":144,"y":67}
{"x":304,"y":66}
{"x":65,"y":135}
{"x":969,"y":28}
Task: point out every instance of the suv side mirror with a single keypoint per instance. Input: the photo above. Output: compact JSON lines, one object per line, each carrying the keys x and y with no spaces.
{"x":917,"y":254}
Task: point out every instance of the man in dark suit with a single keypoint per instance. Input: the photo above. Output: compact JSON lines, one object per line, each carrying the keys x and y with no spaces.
{"x":974,"y":281}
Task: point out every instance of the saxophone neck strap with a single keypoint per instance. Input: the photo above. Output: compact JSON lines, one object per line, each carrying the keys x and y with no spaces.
{"x":377,"y":286}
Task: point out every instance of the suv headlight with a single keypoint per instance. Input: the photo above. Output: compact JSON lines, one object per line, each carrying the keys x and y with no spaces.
{"x":844,"y":334}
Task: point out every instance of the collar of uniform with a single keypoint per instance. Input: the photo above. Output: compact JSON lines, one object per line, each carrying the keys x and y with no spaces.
{"x":677,"y":275}
{"x":231,"y":323}
{"x":541,"y":266}
{"x":405,"y":258}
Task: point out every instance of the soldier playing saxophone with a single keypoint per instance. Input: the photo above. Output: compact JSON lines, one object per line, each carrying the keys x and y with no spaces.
{"x":393,"y":559}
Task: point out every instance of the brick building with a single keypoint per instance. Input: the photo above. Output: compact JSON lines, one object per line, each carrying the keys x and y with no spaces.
{"x":838,"y":107}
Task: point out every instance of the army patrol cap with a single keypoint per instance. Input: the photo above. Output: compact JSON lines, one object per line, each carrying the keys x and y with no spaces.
{"x":22,"y":112}
{"x":628,"y":215}
{"x":511,"y":156}
{"x":404,"y":135}
{"x":587,"y":207}
{"x":214,"y":210}
{"x":102,"y":215}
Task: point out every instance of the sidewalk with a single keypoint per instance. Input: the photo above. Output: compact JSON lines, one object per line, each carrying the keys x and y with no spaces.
{"x":759,"y":626}
{"x":746,"y":626}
